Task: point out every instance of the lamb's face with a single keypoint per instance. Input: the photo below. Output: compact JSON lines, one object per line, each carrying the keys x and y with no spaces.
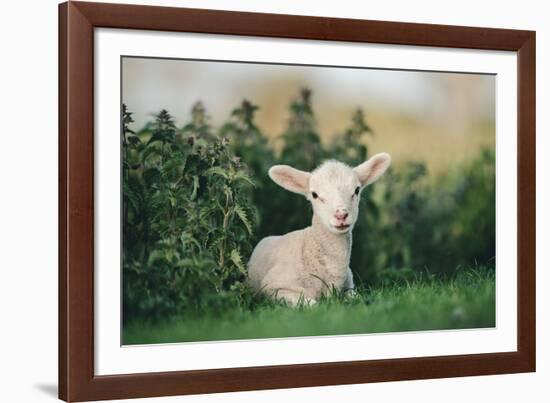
{"x":333,"y":189}
{"x":334,"y":192}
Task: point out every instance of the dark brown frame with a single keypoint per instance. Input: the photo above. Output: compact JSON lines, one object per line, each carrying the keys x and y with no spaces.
{"x":77,"y":21}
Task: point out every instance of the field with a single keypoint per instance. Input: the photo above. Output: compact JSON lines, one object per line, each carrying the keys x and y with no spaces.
{"x":467,"y":300}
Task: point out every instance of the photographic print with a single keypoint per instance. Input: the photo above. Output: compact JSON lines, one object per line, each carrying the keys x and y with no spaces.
{"x":272,"y":200}
{"x":253,"y":201}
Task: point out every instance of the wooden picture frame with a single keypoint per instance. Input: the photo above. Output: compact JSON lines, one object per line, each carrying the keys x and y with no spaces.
{"x":77,"y":21}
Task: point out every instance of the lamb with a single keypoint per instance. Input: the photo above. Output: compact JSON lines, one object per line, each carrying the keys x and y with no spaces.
{"x":304,"y":264}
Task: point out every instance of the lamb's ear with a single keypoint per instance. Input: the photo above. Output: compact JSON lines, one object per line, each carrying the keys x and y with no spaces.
{"x":371,"y":170}
{"x":290,"y":178}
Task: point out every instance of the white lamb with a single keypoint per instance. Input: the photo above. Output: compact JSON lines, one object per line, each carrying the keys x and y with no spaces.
{"x":304,"y":264}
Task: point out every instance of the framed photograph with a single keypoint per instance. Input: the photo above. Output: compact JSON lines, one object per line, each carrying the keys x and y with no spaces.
{"x":254,"y":201}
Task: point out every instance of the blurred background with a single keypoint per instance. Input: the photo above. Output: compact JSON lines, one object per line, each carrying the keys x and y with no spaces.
{"x":440,"y":118}
{"x":195,"y":132}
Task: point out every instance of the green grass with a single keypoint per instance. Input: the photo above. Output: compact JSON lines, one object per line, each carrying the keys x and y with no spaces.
{"x":465,"y":301}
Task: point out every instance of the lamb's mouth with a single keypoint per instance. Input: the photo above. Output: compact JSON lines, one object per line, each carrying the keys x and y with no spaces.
{"x":342,"y":227}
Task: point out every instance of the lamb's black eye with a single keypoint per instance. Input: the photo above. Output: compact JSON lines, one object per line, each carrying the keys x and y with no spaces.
{"x":357,"y":190}
{"x":315,"y":195}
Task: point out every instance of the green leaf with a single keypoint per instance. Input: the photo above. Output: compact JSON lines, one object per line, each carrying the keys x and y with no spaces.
{"x":157,"y":136}
{"x":235,"y":257}
{"x":241,"y":213}
{"x":186,"y":239}
{"x":217,"y":170}
{"x":243,"y":176}
{"x":149,"y":151}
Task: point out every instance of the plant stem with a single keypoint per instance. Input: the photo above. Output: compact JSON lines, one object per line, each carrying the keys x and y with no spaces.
{"x":225,"y":225}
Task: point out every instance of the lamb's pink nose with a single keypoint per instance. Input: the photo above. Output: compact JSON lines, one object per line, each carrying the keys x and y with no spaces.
{"x":341,"y":215}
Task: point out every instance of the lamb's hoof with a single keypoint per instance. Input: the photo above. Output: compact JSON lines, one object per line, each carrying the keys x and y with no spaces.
{"x":309,"y":301}
{"x":351,"y":295}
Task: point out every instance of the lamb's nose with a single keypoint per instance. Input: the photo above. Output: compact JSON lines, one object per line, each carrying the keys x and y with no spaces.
{"x":341,"y":215}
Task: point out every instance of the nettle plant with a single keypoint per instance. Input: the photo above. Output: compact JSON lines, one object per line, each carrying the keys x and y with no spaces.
{"x":187,"y":216}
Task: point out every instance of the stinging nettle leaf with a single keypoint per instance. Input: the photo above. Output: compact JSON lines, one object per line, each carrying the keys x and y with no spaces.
{"x":235,"y":257}
{"x":241,"y":213}
{"x":243,"y":176}
{"x":217,"y":170}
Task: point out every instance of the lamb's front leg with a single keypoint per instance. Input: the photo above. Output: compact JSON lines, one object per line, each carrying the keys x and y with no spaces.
{"x":349,"y":286}
{"x":348,"y":283}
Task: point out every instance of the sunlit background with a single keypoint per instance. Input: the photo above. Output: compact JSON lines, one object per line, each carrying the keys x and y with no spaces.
{"x":440,"y":118}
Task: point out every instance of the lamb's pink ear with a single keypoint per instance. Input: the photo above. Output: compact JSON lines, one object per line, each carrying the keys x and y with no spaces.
{"x":371,"y":170}
{"x":290,"y":178}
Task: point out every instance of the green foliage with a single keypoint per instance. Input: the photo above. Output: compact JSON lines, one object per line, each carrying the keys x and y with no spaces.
{"x":197,"y":199}
{"x":434,"y":226}
{"x":187,"y":217}
{"x":301,"y":141}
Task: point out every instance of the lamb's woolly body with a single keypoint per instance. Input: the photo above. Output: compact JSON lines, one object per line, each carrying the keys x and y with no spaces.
{"x":309,"y":262}
{"x":302,"y":263}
